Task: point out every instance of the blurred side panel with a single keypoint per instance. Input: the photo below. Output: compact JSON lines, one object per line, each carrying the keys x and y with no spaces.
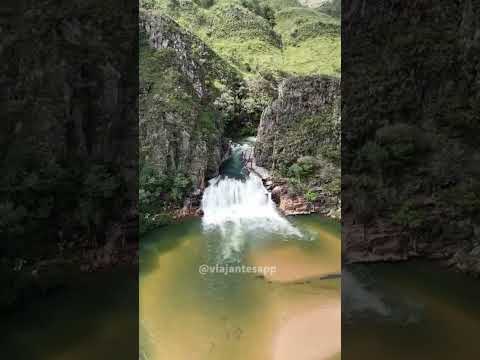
{"x":410,"y":179}
{"x":68,"y":184}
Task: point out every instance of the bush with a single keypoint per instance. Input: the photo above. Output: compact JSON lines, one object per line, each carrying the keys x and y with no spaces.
{"x":157,"y":193}
{"x":409,"y":215}
{"x":180,"y":187}
{"x":263,"y":11}
{"x":149,"y":222}
{"x":148,"y":4}
{"x":371,"y":157}
{"x":302,"y":169}
{"x":203,"y":3}
{"x":297,"y":187}
{"x":400,"y":145}
{"x":310,"y":196}
{"x":173,"y":4}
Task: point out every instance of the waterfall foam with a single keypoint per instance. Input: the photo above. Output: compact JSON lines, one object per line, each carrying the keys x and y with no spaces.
{"x":239,"y":206}
{"x":230,"y":200}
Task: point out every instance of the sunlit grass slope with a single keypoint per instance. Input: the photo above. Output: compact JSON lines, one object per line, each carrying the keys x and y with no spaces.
{"x":262,"y":36}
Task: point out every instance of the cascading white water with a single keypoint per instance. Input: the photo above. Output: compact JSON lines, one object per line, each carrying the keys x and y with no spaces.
{"x":230,"y":200}
{"x":239,"y":208}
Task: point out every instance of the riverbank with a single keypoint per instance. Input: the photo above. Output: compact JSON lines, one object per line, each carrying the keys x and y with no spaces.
{"x":387,"y":242}
{"x":26,"y":280}
{"x":290,"y":202}
{"x":287,"y":201}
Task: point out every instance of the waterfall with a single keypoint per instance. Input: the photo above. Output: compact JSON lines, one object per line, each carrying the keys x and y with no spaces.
{"x":237,"y":206}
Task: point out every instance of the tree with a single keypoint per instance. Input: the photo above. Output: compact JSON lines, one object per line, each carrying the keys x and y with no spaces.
{"x":173,"y":5}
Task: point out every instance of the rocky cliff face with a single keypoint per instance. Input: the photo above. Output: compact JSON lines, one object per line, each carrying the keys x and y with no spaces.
{"x":299,"y":142}
{"x":69,"y":122}
{"x":182,"y":135}
{"x":409,"y":185}
{"x":162,"y":32}
{"x":181,"y":126}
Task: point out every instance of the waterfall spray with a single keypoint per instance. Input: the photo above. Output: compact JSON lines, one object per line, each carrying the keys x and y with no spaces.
{"x":239,"y":206}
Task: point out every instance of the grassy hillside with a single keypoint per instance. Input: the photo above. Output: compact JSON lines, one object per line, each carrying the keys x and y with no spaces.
{"x":262,"y":36}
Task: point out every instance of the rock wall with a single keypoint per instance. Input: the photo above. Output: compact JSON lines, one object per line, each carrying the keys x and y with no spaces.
{"x":300,"y":131}
{"x":165,"y":33}
{"x":69,"y":122}
{"x":68,"y":142}
{"x":181,"y":129}
{"x":171,"y":138}
{"x":410,"y":130}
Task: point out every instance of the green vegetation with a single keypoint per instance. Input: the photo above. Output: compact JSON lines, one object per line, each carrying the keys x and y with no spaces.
{"x":243,"y":49}
{"x":160,"y":76}
{"x":309,"y":176}
{"x":183,"y":115}
{"x":58,"y":194}
{"x":269,"y":36}
{"x":297,"y":24}
{"x":303,"y":139}
{"x":156,"y":193}
{"x":165,"y":89}
{"x":415,"y":178}
{"x":333,"y":8}
{"x":307,"y":154}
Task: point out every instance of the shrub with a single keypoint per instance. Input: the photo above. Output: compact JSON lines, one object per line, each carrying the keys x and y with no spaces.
{"x":371,"y":157}
{"x":310,"y":196}
{"x":409,"y":215}
{"x":302,"y":169}
{"x":401,"y":144}
{"x":180,"y":187}
{"x":157,"y":193}
{"x":173,"y":5}
{"x":204,"y":3}
{"x":264,"y":11}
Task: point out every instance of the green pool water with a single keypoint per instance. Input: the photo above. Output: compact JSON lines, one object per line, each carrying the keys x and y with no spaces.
{"x":187,"y":315}
{"x":94,"y":317}
{"x":413,"y":310}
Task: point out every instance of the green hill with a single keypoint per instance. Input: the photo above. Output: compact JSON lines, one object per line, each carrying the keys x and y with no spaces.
{"x":258,"y":36}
